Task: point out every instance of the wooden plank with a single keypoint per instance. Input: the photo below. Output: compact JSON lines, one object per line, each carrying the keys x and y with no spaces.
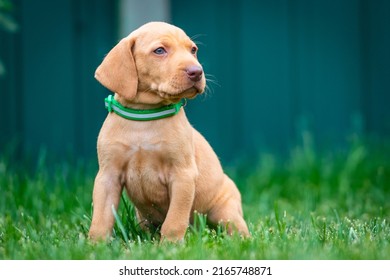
{"x":11,"y":124}
{"x":378,"y":68}
{"x":327,"y":58}
{"x":94,"y":35}
{"x":265,"y":75}
{"x":47,"y":79}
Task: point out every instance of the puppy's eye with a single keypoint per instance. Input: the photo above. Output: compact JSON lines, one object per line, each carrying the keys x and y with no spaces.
{"x":194,"y":50}
{"x":160,"y":51}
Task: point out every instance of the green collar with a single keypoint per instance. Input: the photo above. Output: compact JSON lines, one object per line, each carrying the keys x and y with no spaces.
{"x":141,"y":115}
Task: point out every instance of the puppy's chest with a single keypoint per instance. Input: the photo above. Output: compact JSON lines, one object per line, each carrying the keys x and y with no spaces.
{"x":147,"y":174}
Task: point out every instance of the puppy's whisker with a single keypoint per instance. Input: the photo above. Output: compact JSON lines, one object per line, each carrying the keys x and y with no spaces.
{"x":149,"y":89}
{"x":212,"y":80}
{"x":208,"y":91}
{"x":193,"y":38}
{"x":210,"y":76}
{"x":199,"y":43}
{"x":196,"y":36}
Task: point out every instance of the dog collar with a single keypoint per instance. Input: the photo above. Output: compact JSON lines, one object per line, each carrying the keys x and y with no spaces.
{"x":141,"y":115}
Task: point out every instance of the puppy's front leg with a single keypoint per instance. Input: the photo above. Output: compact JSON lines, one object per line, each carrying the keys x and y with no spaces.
{"x":106,"y":193}
{"x":182,"y":193}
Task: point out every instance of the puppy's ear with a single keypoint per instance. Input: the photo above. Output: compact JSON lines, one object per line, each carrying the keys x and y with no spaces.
{"x":118,"y":72}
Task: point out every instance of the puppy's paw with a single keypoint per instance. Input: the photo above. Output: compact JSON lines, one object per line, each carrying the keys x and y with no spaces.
{"x":174,"y":234}
{"x":96,"y":235}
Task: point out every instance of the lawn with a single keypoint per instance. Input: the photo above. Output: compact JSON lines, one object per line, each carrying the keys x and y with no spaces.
{"x":312,"y":205}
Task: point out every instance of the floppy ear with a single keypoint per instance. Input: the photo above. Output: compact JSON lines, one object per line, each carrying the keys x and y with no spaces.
{"x":117,"y":72}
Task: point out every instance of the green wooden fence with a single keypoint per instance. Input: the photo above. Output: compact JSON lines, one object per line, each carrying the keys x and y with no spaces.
{"x":288,"y":66}
{"x":49,"y":96}
{"x":279,"y":66}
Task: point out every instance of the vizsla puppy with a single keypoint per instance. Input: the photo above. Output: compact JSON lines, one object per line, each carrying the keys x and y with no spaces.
{"x":148,"y":146}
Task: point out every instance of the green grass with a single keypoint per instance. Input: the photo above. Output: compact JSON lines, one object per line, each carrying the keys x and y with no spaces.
{"x":333,"y":205}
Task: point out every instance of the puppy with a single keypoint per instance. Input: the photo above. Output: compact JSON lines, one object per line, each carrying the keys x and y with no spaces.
{"x":167,"y":168}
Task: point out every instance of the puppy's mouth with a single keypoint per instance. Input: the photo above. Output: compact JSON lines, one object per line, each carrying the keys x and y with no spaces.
{"x":190,"y":93}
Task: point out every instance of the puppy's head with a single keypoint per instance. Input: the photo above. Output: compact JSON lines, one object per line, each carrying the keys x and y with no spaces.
{"x":157,"y":62}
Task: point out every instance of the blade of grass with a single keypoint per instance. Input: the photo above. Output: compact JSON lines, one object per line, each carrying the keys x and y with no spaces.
{"x":120,"y":225}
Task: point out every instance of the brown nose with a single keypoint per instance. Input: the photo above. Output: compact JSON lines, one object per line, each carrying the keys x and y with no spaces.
{"x":194,"y":73}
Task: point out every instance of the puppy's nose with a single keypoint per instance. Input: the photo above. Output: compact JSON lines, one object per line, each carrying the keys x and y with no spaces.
{"x":194,"y":73}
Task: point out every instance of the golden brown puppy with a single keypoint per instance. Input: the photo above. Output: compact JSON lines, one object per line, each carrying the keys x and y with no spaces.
{"x":168,"y":169}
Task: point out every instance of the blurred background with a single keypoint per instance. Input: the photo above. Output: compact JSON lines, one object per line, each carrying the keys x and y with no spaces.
{"x":278,"y":67}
